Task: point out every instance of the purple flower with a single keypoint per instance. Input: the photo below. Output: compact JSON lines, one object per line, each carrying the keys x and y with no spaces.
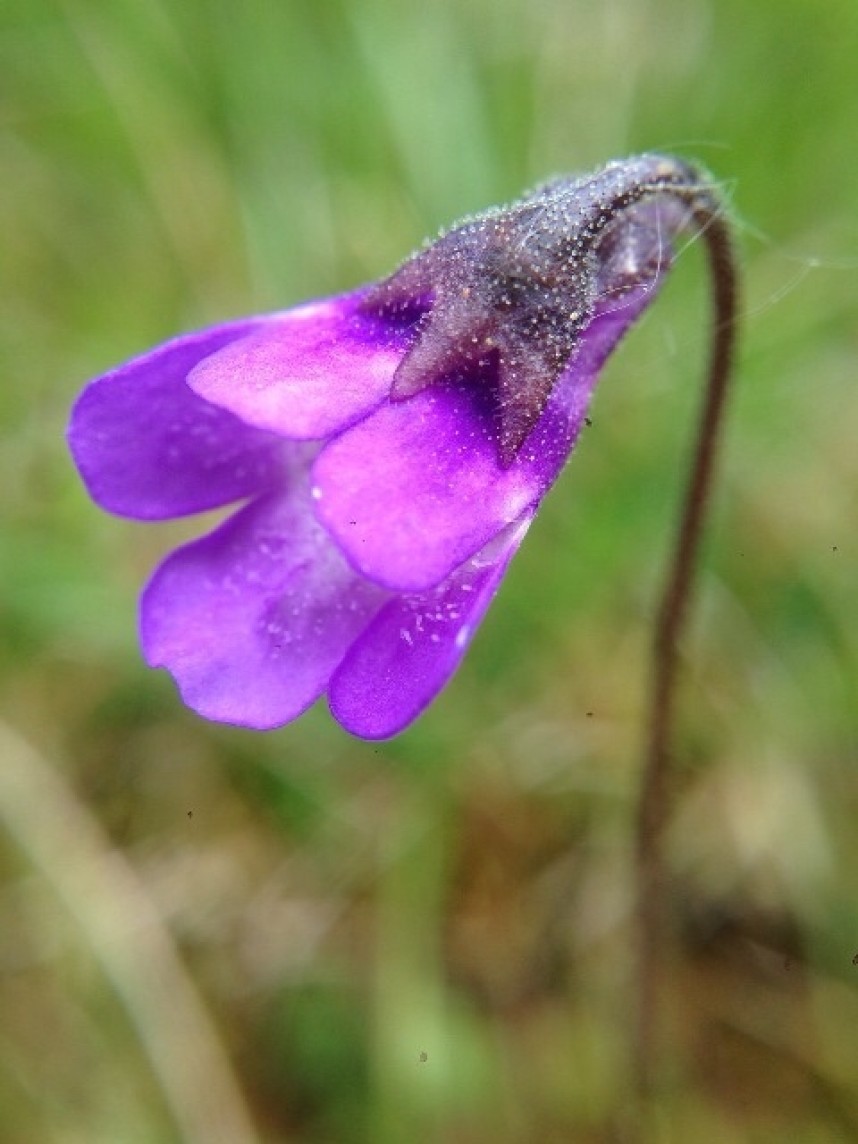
{"x":390,"y":445}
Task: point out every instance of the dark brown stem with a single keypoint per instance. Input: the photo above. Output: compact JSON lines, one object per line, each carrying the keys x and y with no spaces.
{"x":653,"y":806}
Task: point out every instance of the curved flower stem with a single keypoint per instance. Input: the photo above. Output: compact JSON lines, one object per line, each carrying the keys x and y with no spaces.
{"x":652,"y":811}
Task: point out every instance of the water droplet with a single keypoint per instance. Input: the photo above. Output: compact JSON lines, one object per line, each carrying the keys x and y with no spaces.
{"x":462,"y":636}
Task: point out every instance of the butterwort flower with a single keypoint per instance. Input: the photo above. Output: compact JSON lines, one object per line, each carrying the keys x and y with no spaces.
{"x":388,"y":449}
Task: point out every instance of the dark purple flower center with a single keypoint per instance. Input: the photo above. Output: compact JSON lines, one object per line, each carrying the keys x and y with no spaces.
{"x":503,"y":298}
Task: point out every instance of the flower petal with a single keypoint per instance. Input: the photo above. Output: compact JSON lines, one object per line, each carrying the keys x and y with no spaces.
{"x":414,"y":644}
{"x":309,"y":373}
{"x":149,"y":448}
{"x":252,"y":619}
{"x":415,"y":489}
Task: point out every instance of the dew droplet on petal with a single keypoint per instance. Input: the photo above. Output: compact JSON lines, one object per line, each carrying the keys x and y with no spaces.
{"x":462,"y":636}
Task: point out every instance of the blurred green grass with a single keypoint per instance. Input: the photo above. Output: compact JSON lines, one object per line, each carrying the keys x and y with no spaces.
{"x":462,"y":892}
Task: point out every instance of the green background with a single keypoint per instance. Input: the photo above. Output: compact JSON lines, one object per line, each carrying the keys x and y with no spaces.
{"x":213,"y":935}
